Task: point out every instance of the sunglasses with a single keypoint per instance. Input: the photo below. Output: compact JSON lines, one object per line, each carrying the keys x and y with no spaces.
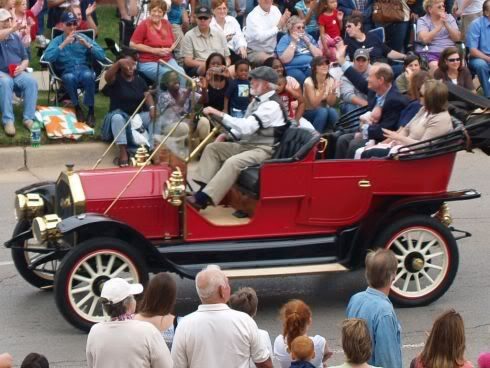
{"x":203,"y":18}
{"x":71,"y":24}
{"x":454,"y":60}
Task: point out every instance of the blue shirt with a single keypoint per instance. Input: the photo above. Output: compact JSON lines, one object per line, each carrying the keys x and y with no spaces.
{"x":73,"y":54}
{"x":376,"y":309}
{"x":478,"y":35}
{"x":313,"y":25}
{"x":175,"y":14}
{"x":11,"y":52}
{"x":302,"y":55}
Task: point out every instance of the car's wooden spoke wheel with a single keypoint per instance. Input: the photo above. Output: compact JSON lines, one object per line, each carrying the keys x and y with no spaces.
{"x":427,"y":256}
{"x":83,"y":272}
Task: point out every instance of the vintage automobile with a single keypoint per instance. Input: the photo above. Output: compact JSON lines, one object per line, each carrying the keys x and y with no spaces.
{"x":307,"y":215}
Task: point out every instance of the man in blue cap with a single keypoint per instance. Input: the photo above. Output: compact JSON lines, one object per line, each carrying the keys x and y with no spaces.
{"x":265,"y":121}
{"x":72,"y":55}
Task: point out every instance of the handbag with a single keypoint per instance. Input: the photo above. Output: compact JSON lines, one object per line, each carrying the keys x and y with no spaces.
{"x":388,"y":11}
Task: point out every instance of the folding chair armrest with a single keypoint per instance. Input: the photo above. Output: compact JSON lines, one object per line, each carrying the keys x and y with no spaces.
{"x":50,"y":67}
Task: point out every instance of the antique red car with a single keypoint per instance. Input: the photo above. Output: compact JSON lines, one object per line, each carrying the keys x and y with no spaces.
{"x":306,"y":214}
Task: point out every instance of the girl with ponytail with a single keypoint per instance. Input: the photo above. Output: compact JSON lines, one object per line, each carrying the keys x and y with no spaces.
{"x":296,"y":319}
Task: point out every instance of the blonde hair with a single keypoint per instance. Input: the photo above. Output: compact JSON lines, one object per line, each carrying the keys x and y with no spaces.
{"x":430,"y":3}
{"x":356,"y":340}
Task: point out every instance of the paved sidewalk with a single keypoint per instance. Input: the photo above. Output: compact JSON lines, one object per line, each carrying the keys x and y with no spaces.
{"x":82,"y":155}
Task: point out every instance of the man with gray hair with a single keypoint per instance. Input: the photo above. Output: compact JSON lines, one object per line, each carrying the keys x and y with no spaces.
{"x":258,"y":131}
{"x":376,"y":309}
{"x":215,"y":335}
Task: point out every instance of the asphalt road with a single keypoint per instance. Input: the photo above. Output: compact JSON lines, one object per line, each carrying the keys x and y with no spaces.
{"x":29,"y":320}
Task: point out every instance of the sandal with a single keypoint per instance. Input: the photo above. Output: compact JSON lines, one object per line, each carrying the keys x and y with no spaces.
{"x":120,"y":163}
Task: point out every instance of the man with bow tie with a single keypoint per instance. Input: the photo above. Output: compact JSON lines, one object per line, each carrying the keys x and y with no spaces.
{"x":259,"y":130}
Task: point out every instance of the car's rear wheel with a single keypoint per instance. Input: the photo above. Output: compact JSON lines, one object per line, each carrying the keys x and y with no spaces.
{"x":84,"y":271}
{"x":427,"y":256}
{"x":42,"y":275}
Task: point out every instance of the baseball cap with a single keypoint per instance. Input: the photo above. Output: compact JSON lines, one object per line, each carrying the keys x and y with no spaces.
{"x":116,"y":290}
{"x":265,"y":73}
{"x":203,"y":10}
{"x":4,"y":15}
{"x":68,"y":17}
{"x":364,"y":53}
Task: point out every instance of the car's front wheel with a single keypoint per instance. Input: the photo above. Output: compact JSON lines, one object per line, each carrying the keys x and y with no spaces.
{"x":427,"y":256}
{"x":84,"y":271}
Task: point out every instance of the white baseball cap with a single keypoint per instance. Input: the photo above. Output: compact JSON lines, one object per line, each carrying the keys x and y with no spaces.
{"x":117,"y":289}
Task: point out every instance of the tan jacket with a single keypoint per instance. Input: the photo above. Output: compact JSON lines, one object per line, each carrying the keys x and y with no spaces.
{"x":426,"y":126}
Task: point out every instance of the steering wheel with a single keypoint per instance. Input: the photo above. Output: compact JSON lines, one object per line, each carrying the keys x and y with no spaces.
{"x":226,"y":128}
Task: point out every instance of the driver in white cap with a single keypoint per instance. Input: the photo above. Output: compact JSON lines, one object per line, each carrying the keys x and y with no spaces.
{"x":122,"y":341}
{"x":262,"y":127}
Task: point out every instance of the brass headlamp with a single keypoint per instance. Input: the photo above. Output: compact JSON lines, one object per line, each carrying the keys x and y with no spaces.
{"x":46,"y":228}
{"x":28,"y":206}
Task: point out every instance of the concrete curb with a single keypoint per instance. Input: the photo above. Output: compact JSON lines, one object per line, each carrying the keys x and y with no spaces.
{"x":82,"y":155}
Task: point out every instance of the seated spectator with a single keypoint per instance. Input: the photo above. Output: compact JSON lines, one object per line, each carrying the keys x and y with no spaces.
{"x":321,"y":92}
{"x":288,"y":96}
{"x":414,"y":85}
{"x":195,"y":343}
{"x":302,"y":352}
{"x":445,"y":346}
{"x":215,"y":82}
{"x":356,"y":343}
{"x":158,"y":304}
{"x":351,"y":97}
{"x":72,"y":55}
{"x":123,"y":341}
{"x":411,"y":65}
{"x":245,"y":300}
{"x":436,"y":30}
{"x":330,"y":23}
{"x":467,"y":11}
{"x":202,"y":41}
{"x":296,"y":319}
{"x":363,"y":9}
{"x":451,"y":69}
{"x":307,"y":10}
{"x":154,"y":40}
{"x":263,"y":24}
{"x":297,"y":49}
{"x":13,"y":76}
{"x":6,"y":360}
{"x":237,"y":95}
{"x":83,"y":25}
{"x":356,"y":39}
{"x":478,"y":42}
{"x":374,"y":306}
{"x":484,"y":360}
{"x":27,"y":18}
{"x":34,"y":360}
{"x":125,"y":89}
{"x":431,"y":121}
{"x":380,"y":92}
{"x":230,"y":27}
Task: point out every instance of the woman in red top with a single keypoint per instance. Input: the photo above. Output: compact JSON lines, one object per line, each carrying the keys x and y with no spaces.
{"x":330,"y":25}
{"x":154,"y":40}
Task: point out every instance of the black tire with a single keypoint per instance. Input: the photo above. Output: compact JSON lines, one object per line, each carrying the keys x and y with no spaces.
{"x":430,"y":283}
{"x":36,"y":279}
{"x":85,"y":252}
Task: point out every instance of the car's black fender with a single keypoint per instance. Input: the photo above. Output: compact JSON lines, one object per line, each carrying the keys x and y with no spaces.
{"x":47,"y":191}
{"x":90,"y":225}
{"x":428,"y":205}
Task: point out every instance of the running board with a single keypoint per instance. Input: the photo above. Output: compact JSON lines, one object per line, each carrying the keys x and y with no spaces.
{"x":285,"y":271}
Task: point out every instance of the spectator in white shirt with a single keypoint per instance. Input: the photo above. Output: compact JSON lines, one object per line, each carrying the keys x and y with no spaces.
{"x":215,"y":335}
{"x":263,"y":24}
{"x":230,"y":27}
{"x":468,"y":10}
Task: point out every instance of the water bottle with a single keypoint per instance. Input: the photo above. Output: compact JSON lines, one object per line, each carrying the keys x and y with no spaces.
{"x":35,"y":134}
{"x":364,"y":131}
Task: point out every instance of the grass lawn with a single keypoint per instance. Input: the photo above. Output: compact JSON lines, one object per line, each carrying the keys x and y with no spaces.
{"x":108,"y":28}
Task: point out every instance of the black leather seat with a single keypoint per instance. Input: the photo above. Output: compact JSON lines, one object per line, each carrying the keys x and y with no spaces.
{"x":294,"y":146}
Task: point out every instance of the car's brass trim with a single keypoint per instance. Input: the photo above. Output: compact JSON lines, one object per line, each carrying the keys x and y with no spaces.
{"x":364,"y":183}
{"x":284,"y":271}
{"x":76,"y":189}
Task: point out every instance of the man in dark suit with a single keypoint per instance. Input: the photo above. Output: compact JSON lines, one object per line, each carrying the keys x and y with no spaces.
{"x":380,"y":92}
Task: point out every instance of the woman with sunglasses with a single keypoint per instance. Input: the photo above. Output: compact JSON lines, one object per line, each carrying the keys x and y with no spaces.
{"x":436,"y":31}
{"x":154,"y":40}
{"x":451,"y":69}
{"x":297,"y":49}
{"x":321,"y":92}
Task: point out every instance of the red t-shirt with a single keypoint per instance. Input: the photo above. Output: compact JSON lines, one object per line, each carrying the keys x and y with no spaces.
{"x":287,"y":100}
{"x":330,"y":23}
{"x":146,"y":34}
